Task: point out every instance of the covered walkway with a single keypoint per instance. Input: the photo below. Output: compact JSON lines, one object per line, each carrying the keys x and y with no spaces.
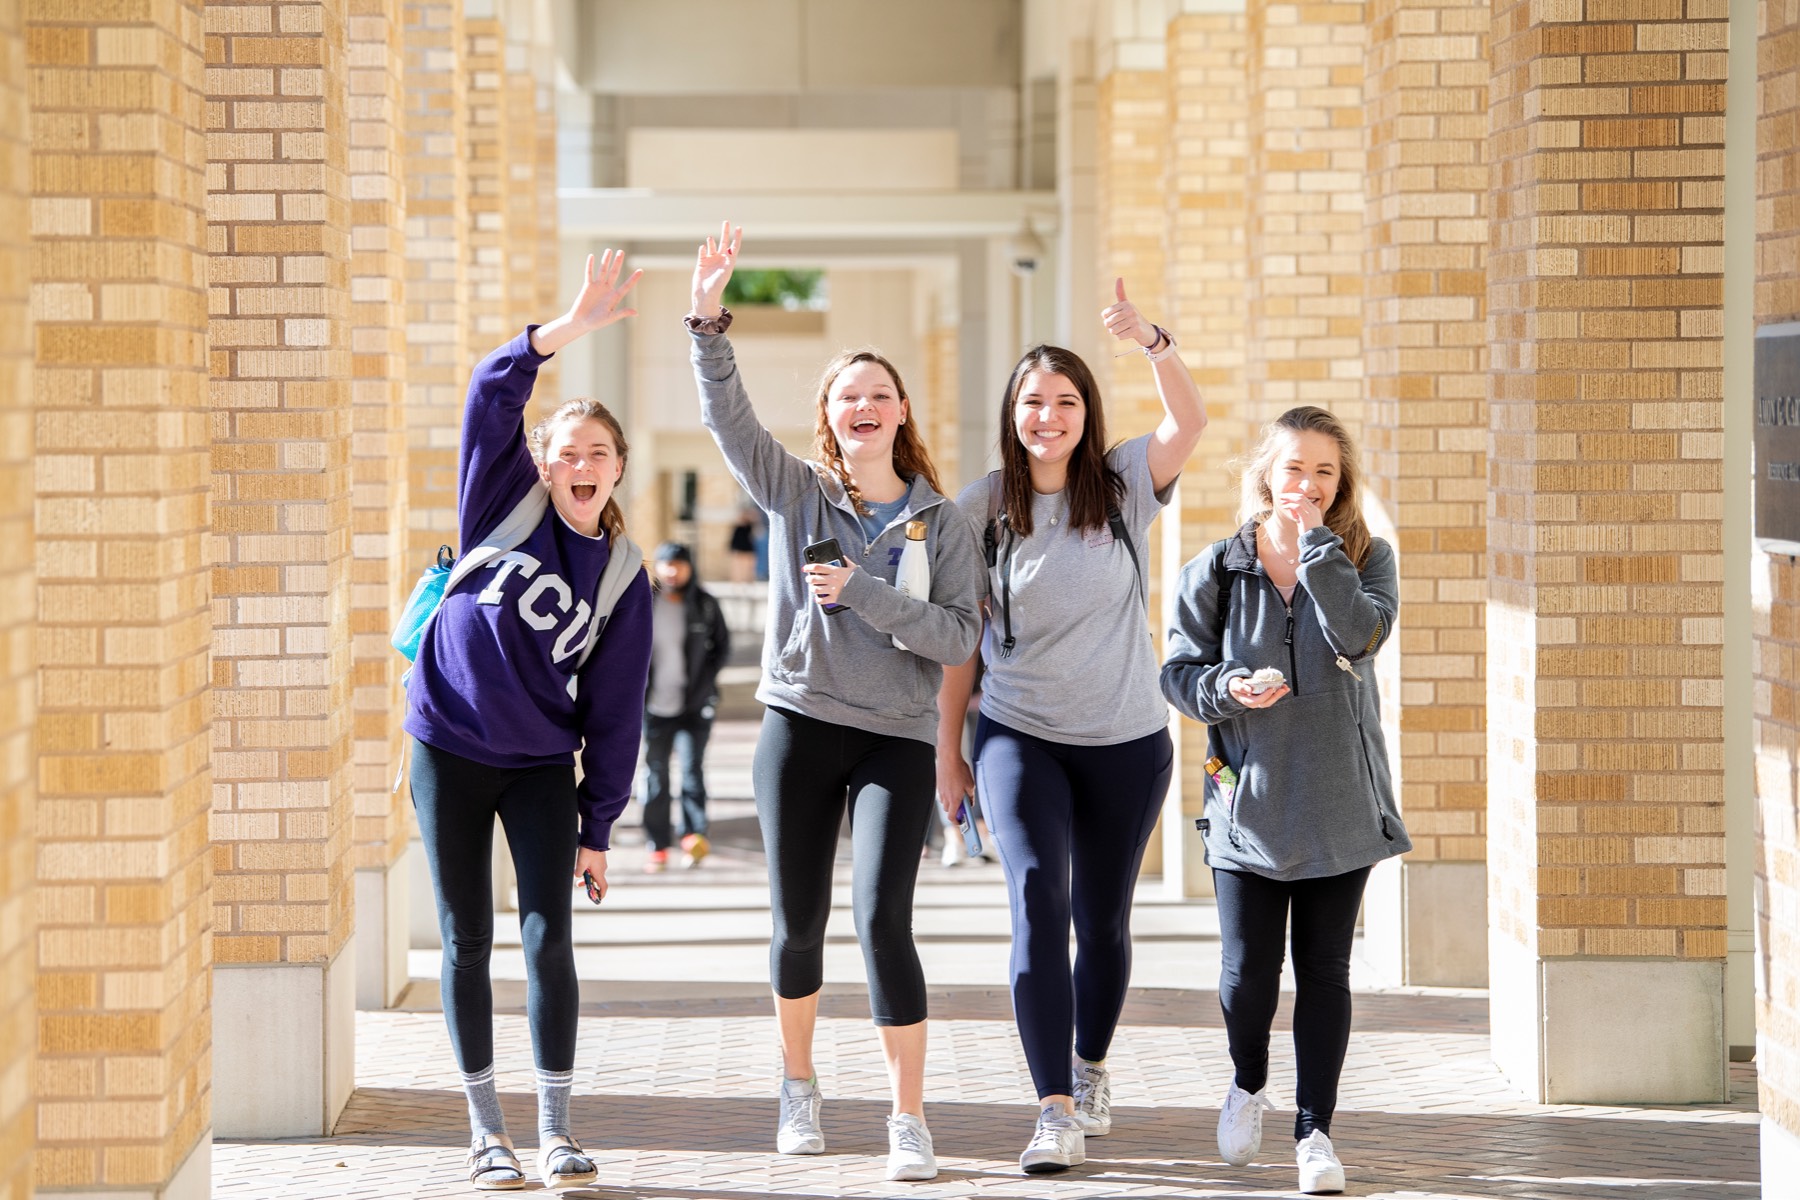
{"x":677,"y":1059}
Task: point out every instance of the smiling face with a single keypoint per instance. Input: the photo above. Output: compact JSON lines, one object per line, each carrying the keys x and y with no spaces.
{"x":1306,"y":463}
{"x":581,"y":465}
{"x":1049,"y":417}
{"x":863,"y":409}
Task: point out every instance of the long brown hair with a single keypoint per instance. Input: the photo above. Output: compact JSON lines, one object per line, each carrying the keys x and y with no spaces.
{"x":612,"y":517}
{"x":910,"y":456}
{"x":1093,"y":487}
{"x":1344,"y":517}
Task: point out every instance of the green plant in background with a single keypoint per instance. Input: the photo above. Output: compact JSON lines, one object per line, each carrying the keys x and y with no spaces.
{"x":790,"y":289}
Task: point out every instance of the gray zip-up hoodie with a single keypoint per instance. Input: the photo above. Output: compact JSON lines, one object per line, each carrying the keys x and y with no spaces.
{"x":844,"y":667}
{"x":1314,"y":796}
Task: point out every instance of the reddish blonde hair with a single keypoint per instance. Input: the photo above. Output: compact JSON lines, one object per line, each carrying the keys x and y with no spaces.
{"x":910,"y":456}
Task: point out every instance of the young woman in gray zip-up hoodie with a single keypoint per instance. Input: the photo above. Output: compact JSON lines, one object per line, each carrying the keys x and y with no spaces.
{"x":851,"y":719}
{"x":1299,"y":800}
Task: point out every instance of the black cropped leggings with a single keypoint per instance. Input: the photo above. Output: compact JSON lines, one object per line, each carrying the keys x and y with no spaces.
{"x":457,"y":800}
{"x":809,"y":775}
{"x":1253,"y":917}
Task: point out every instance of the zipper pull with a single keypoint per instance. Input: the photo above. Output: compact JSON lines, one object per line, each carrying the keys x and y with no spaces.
{"x":1287,"y":638}
{"x":1343,"y":664}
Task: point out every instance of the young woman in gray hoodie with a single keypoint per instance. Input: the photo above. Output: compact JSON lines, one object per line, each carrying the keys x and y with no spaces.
{"x":1299,"y":802}
{"x":851,"y":719}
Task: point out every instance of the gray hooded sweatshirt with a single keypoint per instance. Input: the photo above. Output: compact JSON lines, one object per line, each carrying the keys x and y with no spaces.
{"x":844,"y":667}
{"x":1314,"y":796}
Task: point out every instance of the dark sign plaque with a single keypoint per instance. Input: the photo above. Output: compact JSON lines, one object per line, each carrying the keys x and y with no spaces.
{"x":1777,"y":481}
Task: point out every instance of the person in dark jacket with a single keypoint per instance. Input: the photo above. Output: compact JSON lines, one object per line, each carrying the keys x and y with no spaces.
{"x":689,"y":643}
{"x":1273,"y":645}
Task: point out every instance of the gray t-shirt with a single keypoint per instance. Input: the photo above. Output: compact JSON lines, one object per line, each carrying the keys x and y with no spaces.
{"x":668,"y":657}
{"x":1083,"y":667}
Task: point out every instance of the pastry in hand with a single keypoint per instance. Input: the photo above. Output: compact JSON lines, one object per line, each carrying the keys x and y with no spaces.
{"x":1267,"y":679}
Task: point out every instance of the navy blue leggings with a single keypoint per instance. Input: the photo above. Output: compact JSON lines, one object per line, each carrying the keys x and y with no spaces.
{"x":1071,"y":823}
{"x":457,"y":800}
{"x":1253,"y":915}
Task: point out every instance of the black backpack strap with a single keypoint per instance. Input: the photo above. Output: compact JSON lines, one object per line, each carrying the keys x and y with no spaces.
{"x":1227,"y":579}
{"x":1120,"y":534}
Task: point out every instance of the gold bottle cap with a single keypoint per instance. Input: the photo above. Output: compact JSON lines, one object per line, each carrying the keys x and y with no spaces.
{"x":1213,"y":765}
{"x":915,"y":531}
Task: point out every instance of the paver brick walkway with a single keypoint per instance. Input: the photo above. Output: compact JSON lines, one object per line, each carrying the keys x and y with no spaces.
{"x":675,"y":1080}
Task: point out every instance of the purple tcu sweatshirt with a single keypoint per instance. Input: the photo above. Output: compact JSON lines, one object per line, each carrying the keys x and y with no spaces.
{"x":496,"y":666}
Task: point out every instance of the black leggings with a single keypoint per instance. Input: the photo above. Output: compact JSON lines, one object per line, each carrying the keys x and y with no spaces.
{"x":457,"y":800}
{"x":1071,"y":823}
{"x":1253,"y":915}
{"x":808,"y":773}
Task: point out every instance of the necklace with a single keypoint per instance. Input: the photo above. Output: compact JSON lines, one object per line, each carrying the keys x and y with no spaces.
{"x":1276,"y":550}
{"x":1062,"y":506}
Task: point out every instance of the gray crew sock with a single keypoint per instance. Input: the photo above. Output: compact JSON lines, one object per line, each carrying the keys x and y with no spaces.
{"x":484,"y":1102}
{"x":553,"y":1102}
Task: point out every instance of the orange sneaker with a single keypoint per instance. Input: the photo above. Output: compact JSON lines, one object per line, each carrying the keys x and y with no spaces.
{"x":657,"y":862}
{"x":694,"y":847}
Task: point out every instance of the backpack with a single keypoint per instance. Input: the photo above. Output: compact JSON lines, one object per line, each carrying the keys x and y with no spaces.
{"x":435,"y":583}
{"x":1000,"y":551}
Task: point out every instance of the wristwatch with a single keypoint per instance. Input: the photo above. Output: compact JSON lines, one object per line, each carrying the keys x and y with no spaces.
{"x":1168,"y":349}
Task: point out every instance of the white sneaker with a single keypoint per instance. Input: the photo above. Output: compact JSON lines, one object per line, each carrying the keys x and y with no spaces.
{"x":799,"y":1131}
{"x":1057,"y":1145}
{"x":1093,"y":1098}
{"x":1320,"y":1170}
{"x":910,"y":1156}
{"x":1240,"y":1124}
{"x":954,"y":851}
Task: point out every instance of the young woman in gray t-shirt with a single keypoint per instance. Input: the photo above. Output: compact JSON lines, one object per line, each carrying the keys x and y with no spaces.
{"x":1072,"y":751}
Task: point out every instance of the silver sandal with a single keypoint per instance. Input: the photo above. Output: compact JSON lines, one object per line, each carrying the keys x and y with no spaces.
{"x":493,"y":1167}
{"x":562,"y":1163}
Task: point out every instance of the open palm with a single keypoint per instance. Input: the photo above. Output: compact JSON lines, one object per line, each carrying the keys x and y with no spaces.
{"x":597,"y":306}
{"x":713,"y":266}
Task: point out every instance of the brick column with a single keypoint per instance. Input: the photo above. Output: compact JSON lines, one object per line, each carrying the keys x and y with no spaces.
{"x":1131,"y":103}
{"x":379,"y":569}
{"x":1775,"y":591}
{"x":488,"y":316}
{"x":437,"y":356}
{"x":280,"y":357}
{"x":1425,"y":438}
{"x":1307,"y":162}
{"x":124,"y":885}
{"x":18,"y":671}
{"x":1605,"y":797}
{"x":1204,"y":213}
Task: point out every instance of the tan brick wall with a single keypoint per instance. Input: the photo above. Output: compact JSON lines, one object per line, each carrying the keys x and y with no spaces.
{"x":1776,"y":596}
{"x":278,"y":197}
{"x":1204,"y":198}
{"x":1307,"y":161}
{"x":1425,"y":435}
{"x":379,"y":575}
{"x":1604,"y":636}
{"x":437,"y":358}
{"x":1132,"y":120}
{"x":547,"y":267}
{"x":18,"y":672}
{"x":123,"y":877}
{"x":488,"y":317}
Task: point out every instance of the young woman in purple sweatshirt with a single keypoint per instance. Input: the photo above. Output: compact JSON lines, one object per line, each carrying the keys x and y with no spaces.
{"x":500,"y":703}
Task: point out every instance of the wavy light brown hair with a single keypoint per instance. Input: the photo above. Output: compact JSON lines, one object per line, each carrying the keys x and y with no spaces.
{"x":1344,"y":517}
{"x":612,"y":517}
{"x":1093,"y":487}
{"x":910,"y":456}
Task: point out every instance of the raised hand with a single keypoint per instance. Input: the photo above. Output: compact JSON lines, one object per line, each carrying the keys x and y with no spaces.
{"x":1124,"y":321}
{"x":713,"y":267}
{"x":596,"y":305}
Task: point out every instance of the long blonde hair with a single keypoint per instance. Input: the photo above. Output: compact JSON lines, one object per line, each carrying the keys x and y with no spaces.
{"x":910,"y":456}
{"x":1344,"y":517}
{"x":612,"y":517}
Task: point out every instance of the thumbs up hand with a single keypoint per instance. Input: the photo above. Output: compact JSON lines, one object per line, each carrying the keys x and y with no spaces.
{"x":1125,"y":322}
